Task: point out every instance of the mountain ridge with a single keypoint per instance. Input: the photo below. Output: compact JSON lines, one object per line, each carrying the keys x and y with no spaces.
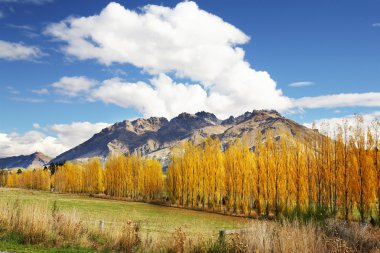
{"x":35,"y":160}
{"x":153,"y":137}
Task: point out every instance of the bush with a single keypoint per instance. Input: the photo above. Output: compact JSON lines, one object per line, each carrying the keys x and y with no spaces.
{"x":356,"y":236}
{"x":127,"y":239}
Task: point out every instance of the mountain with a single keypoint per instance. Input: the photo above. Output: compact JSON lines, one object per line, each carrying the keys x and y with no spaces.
{"x":154,"y":137}
{"x":35,"y":160}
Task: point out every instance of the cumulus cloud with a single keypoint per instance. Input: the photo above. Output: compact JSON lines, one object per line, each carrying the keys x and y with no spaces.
{"x":17,"y":51}
{"x":328,"y":125}
{"x":73,"y":86}
{"x":164,"y":97}
{"x":184,"y":41}
{"x":161,"y":97}
{"x":370,"y":99}
{"x":174,"y":44}
{"x":62,"y":138}
{"x":14,"y":144}
{"x":301,"y":84}
{"x":73,"y":134}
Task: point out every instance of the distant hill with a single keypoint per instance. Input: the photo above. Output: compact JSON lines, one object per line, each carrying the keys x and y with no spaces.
{"x":35,"y":160}
{"x":154,"y":137}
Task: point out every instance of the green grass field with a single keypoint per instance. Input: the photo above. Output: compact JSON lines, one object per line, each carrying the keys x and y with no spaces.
{"x":154,"y":219}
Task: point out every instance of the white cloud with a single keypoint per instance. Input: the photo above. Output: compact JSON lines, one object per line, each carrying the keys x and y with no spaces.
{"x":301,"y":84}
{"x":185,"y":41}
{"x":21,"y":27}
{"x":328,"y":125}
{"x":14,"y":144}
{"x":12,"y":90}
{"x":163,"y":97}
{"x":73,"y":134}
{"x":180,"y":42}
{"x":115,"y":72}
{"x":370,"y":99}
{"x":37,"y":2}
{"x":42,"y":91}
{"x":18,"y":51}
{"x":73,"y":86}
{"x":36,"y":126}
{"x":63,"y":137}
{"x":28,"y":100}
{"x":376,"y":25}
{"x":28,"y":31}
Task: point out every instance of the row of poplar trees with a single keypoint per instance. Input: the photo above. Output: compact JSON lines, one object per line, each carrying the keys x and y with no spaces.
{"x":339,"y":175}
{"x":338,"y":172}
{"x":129,"y":176}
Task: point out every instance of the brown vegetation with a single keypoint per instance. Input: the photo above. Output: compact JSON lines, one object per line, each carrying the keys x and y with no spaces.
{"x":37,"y":225}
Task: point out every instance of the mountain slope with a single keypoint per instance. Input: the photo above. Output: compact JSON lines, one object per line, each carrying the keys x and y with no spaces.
{"x":153,"y":137}
{"x":35,"y":160}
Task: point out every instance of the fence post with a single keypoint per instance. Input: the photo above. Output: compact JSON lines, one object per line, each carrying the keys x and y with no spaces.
{"x":222,"y":235}
{"x":101,"y":225}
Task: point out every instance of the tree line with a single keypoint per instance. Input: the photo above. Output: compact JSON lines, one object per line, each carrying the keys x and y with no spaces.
{"x":336,"y":173}
{"x":131,"y":176}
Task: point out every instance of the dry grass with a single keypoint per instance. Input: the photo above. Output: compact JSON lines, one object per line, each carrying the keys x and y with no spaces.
{"x":32,"y":223}
{"x":288,"y":237}
{"x":38,"y":225}
{"x":178,"y":241}
{"x":357,"y":237}
{"x":283,"y":238}
{"x":158,"y":221}
{"x":126,"y":240}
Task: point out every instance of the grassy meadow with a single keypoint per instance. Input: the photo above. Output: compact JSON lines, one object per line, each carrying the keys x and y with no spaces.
{"x":36,"y":222}
{"x":153,"y":219}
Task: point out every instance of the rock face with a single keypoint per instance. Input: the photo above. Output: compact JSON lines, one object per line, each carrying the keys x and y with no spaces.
{"x":35,"y":160}
{"x":154,"y":137}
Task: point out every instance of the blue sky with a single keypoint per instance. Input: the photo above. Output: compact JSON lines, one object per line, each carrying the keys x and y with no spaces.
{"x":321,"y":47}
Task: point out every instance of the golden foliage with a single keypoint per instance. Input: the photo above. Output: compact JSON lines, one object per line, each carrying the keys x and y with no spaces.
{"x":280,"y":174}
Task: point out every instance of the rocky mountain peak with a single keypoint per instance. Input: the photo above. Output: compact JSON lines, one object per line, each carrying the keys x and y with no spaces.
{"x":208,"y":116}
{"x":152,"y":124}
{"x":183,"y":116}
{"x":138,"y":126}
{"x":236,"y":120}
{"x":272,"y":113}
{"x":35,"y":160}
{"x":229,"y":121}
{"x":193,"y":121}
{"x":154,"y":137}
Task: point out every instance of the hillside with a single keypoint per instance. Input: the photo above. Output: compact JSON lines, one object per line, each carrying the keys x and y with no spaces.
{"x":35,"y":160}
{"x":153,"y":137}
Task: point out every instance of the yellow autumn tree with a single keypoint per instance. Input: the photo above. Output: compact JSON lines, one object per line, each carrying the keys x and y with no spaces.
{"x":93,"y":176}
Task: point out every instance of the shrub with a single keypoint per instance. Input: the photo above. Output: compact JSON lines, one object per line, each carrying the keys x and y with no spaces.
{"x":356,"y":236}
{"x":127,"y":239}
